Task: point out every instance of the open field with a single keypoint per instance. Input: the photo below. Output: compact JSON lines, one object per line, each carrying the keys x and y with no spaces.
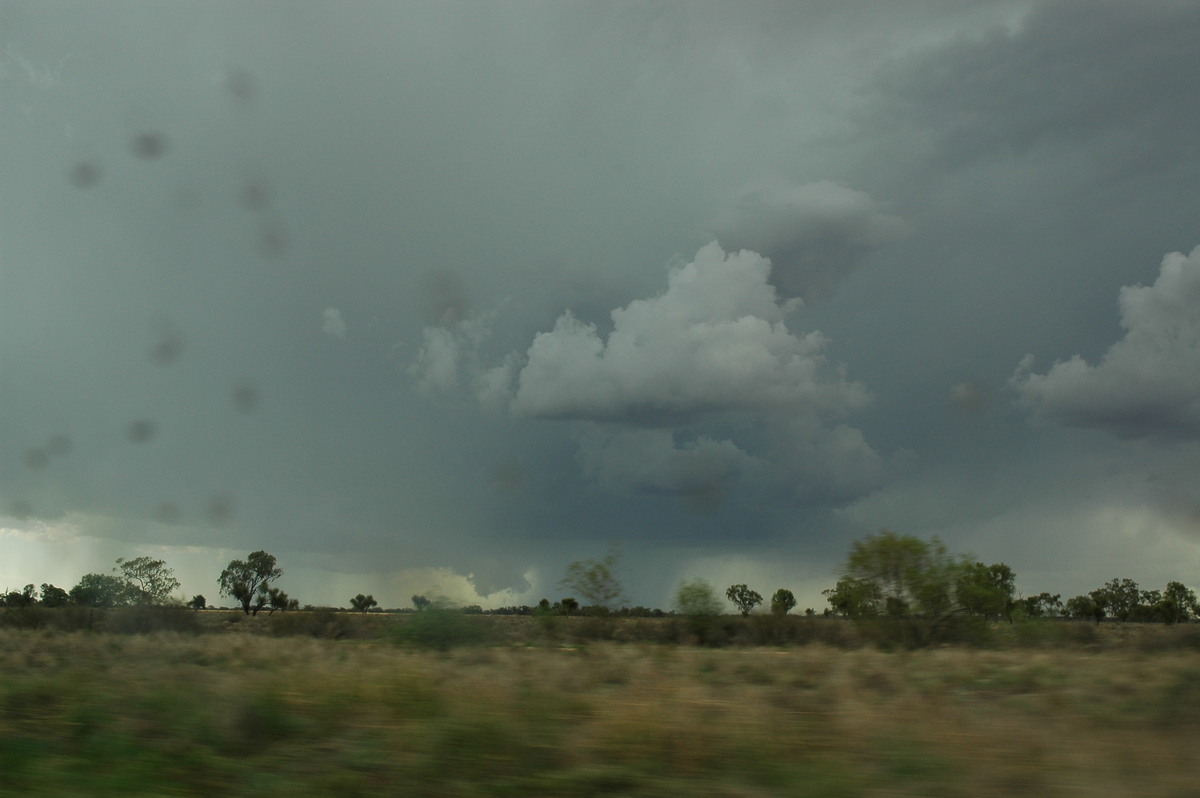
{"x":255,"y":714}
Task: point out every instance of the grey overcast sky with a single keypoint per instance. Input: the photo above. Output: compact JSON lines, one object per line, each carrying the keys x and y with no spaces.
{"x":437,"y":297}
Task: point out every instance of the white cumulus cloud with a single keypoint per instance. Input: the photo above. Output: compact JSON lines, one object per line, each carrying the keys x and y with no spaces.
{"x":1148,"y":383}
{"x":714,"y":341}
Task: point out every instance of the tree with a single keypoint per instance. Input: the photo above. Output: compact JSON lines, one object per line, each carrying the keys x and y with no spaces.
{"x":568,"y":605}
{"x":697,"y":598}
{"x":1119,"y":597}
{"x":149,"y":581}
{"x":1089,"y":607}
{"x":363,"y":603}
{"x":101,"y":590}
{"x":420,"y":602}
{"x":743,"y":598}
{"x":198,"y":602}
{"x":1179,"y":603}
{"x":278,"y":600}
{"x":1043,"y":605}
{"x":596,"y":580}
{"x":854,"y":598}
{"x":53,"y":596}
{"x":782,"y":602}
{"x":249,"y":580}
{"x":986,"y":590}
{"x":22,"y":598}
{"x":906,"y":575}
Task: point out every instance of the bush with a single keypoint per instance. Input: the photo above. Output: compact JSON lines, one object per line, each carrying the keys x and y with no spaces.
{"x":322,"y":624}
{"x":916,"y":632}
{"x":144,"y":619}
{"x":440,"y":629}
{"x":30,"y":617}
{"x":697,"y":601}
{"x":1179,"y":637}
{"x":1051,"y":633}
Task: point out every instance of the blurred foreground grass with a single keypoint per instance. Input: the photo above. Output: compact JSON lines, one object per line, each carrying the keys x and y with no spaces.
{"x":251,"y":714}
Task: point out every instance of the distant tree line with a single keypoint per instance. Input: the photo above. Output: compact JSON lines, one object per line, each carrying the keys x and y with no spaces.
{"x":908,"y":581}
{"x":142,"y":581}
{"x":887,"y":578}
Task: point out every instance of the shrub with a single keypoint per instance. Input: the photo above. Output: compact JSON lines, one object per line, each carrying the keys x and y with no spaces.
{"x":145,"y":618}
{"x":697,"y":601}
{"x":323,"y":624}
{"x":440,"y":629}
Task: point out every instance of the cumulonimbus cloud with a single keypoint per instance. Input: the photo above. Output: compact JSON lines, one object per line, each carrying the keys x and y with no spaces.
{"x":713,"y":347}
{"x":814,"y":233}
{"x":1148,"y":383}
{"x":715,"y":341}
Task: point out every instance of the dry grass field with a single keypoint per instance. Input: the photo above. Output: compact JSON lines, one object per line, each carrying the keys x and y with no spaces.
{"x":243,"y":713}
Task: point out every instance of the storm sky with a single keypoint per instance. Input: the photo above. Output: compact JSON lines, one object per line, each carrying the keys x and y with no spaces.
{"x":438,"y":297}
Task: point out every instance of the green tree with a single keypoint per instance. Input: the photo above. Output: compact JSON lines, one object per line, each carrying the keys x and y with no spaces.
{"x":1043,"y":605}
{"x":1179,"y":603}
{"x":743,"y":598}
{"x":986,"y":590}
{"x":596,"y":580}
{"x":278,"y":600}
{"x":249,"y":580}
{"x":363,"y":603}
{"x":420,"y":602}
{"x":1119,"y":597}
{"x":149,"y":581}
{"x":20,"y":598}
{"x":910,"y":576}
{"x":782,"y":602}
{"x":101,"y":590}
{"x":698,"y":601}
{"x":854,"y":598}
{"x":568,"y":606}
{"x":696,"y":598}
{"x":198,"y":602}
{"x":1090,"y":607}
{"x":53,"y":596}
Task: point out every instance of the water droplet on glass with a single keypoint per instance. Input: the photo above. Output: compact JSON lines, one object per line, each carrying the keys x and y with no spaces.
{"x":141,"y":431}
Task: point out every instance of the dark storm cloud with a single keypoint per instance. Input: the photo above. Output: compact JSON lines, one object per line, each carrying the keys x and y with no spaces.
{"x":652,"y":461}
{"x":1115,"y":77}
{"x":814,"y":234}
{"x":445,"y":297}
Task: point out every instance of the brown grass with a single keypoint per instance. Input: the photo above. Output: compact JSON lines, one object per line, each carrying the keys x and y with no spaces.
{"x":249,"y":714}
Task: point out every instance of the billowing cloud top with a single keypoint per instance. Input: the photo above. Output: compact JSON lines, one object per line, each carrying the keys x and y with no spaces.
{"x":1148,"y":383}
{"x":715,"y":341}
